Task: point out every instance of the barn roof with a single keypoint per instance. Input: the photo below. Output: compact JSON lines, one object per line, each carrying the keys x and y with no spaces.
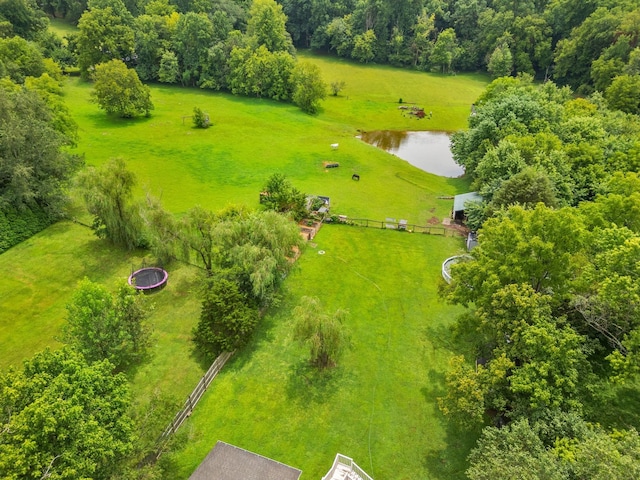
{"x":226,"y":462}
{"x":460,"y":200}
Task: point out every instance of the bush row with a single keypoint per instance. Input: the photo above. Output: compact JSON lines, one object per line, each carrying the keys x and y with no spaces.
{"x":18,"y":225}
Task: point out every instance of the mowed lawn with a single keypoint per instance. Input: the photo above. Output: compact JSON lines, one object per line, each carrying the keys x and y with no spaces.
{"x":371,"y":95}
{"x":39,"y":277}
{"x":379,"y":405}
{"x":251,"y":139}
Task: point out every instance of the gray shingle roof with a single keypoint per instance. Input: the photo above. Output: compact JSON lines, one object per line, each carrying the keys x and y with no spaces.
{"x":226,"y":462}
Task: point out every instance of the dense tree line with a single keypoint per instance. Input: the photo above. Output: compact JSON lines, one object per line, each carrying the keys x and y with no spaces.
{"x":585,"y":44}
{"x":35,"y":167}
{"x":200,"y":47}
{"x":552,"y":289}
{"x":247,"y":47}
{"x":528,"y":144}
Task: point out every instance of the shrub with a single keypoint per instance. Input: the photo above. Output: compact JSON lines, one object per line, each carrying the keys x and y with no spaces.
{"x":200,"y":118}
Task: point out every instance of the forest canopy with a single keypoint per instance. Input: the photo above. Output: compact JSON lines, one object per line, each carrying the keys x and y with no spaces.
{"x":248,"y":47}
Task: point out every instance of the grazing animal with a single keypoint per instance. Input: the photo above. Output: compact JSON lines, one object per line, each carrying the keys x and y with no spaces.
{"x":334,"y":146}
{"x":355,"y":176}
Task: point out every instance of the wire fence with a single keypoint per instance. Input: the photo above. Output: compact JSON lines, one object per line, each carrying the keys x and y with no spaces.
{"x":401,"y":225}
{"x":192,"y":400}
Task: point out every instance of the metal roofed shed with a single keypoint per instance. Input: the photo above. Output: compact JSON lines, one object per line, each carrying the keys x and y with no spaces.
{"x":226,"y":462}
{"x":459,"y":202}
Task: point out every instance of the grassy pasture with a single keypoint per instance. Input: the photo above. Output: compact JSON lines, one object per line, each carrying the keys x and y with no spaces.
{"x":39,"y":278}
{"x":252,"y":138}
{"x":378,"y":407}
{"x":369,"y":100}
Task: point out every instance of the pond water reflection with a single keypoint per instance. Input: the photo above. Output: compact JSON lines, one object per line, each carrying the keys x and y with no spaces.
{"x":429,"y":151}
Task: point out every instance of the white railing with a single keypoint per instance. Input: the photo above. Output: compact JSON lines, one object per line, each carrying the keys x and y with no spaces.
{"x":446,"y":265}
{"x":351,"y":467}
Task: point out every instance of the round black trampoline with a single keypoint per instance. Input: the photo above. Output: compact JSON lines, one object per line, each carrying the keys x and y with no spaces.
{"x":149,"y":279}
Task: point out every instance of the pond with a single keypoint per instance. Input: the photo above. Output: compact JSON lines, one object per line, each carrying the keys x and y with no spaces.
{"x":429,"y":151}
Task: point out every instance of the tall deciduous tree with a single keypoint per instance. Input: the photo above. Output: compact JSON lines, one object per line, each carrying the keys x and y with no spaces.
{"x":624,"y":93}
{"x":63,"y":418}
{"x":280,"y":195}
{"x":514,"y":451}
{"x":324,"y":334}
{"x":191,"y":42}
{"x":446,"y":50}
{"x":556,"y":448}
{"x":107,"y":193}
{"x":260,"y":72}
{"x":25,"y":17}
{"x":340,"y":34}
{"x":169,"y":69}
{"x":534,"y":247}
{"x":255,"y":247}
{"x":421,"y":43}
{"x":34,"y":170}
{"x":153,"y":37}
{"x":118,"y":90}
{"x":364,"y":46}
{"x":501,"y":61}
{"x":574,"y":55}
{"x":19,"y":59}
{"x":309,"y":88}
{"x":105,"y":33}
{"x":527,"y":187}
{"x":103,"y":326}
{"x":266,"y":26}
{"x":533,"y":361}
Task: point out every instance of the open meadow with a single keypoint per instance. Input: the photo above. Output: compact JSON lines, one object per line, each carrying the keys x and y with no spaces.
{"x":379,"y":405}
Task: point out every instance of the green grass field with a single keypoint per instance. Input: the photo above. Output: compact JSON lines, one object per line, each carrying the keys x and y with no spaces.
{"x":379,"y":405}
{"x":251,"y":139}
{"x":61,"y":27}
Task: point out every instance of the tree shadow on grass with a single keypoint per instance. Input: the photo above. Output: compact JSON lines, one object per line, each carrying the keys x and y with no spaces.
{"x":449,"y":462}
{"x":102,"y":120}
{"x":308,"y":384}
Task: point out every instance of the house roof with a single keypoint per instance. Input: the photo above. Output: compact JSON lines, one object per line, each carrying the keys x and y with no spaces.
{"x":460,"y":200}
{"x":226,"y":462}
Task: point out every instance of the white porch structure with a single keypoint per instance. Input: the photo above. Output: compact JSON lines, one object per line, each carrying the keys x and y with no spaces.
{"x":344,"y":468}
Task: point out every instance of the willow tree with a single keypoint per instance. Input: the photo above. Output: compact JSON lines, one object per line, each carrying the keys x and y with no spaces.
{"x":108,"y":193}
{"x":251,"y":248}
{"x":324,"y":333}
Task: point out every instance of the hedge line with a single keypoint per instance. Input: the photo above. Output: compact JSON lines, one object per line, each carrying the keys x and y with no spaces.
{"x":18,"y":225}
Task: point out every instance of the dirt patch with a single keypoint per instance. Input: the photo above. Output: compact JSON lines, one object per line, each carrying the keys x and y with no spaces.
{"x":433,"y":221}
{"x":461,"y":229}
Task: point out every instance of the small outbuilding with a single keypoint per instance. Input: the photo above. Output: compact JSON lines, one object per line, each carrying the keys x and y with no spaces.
{"x":472,"y":241}
{"x":459,"y":202}
{"x":226,"y":462}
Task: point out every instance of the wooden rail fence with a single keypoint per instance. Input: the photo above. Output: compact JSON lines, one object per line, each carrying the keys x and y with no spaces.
{"x":192,"y":400}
